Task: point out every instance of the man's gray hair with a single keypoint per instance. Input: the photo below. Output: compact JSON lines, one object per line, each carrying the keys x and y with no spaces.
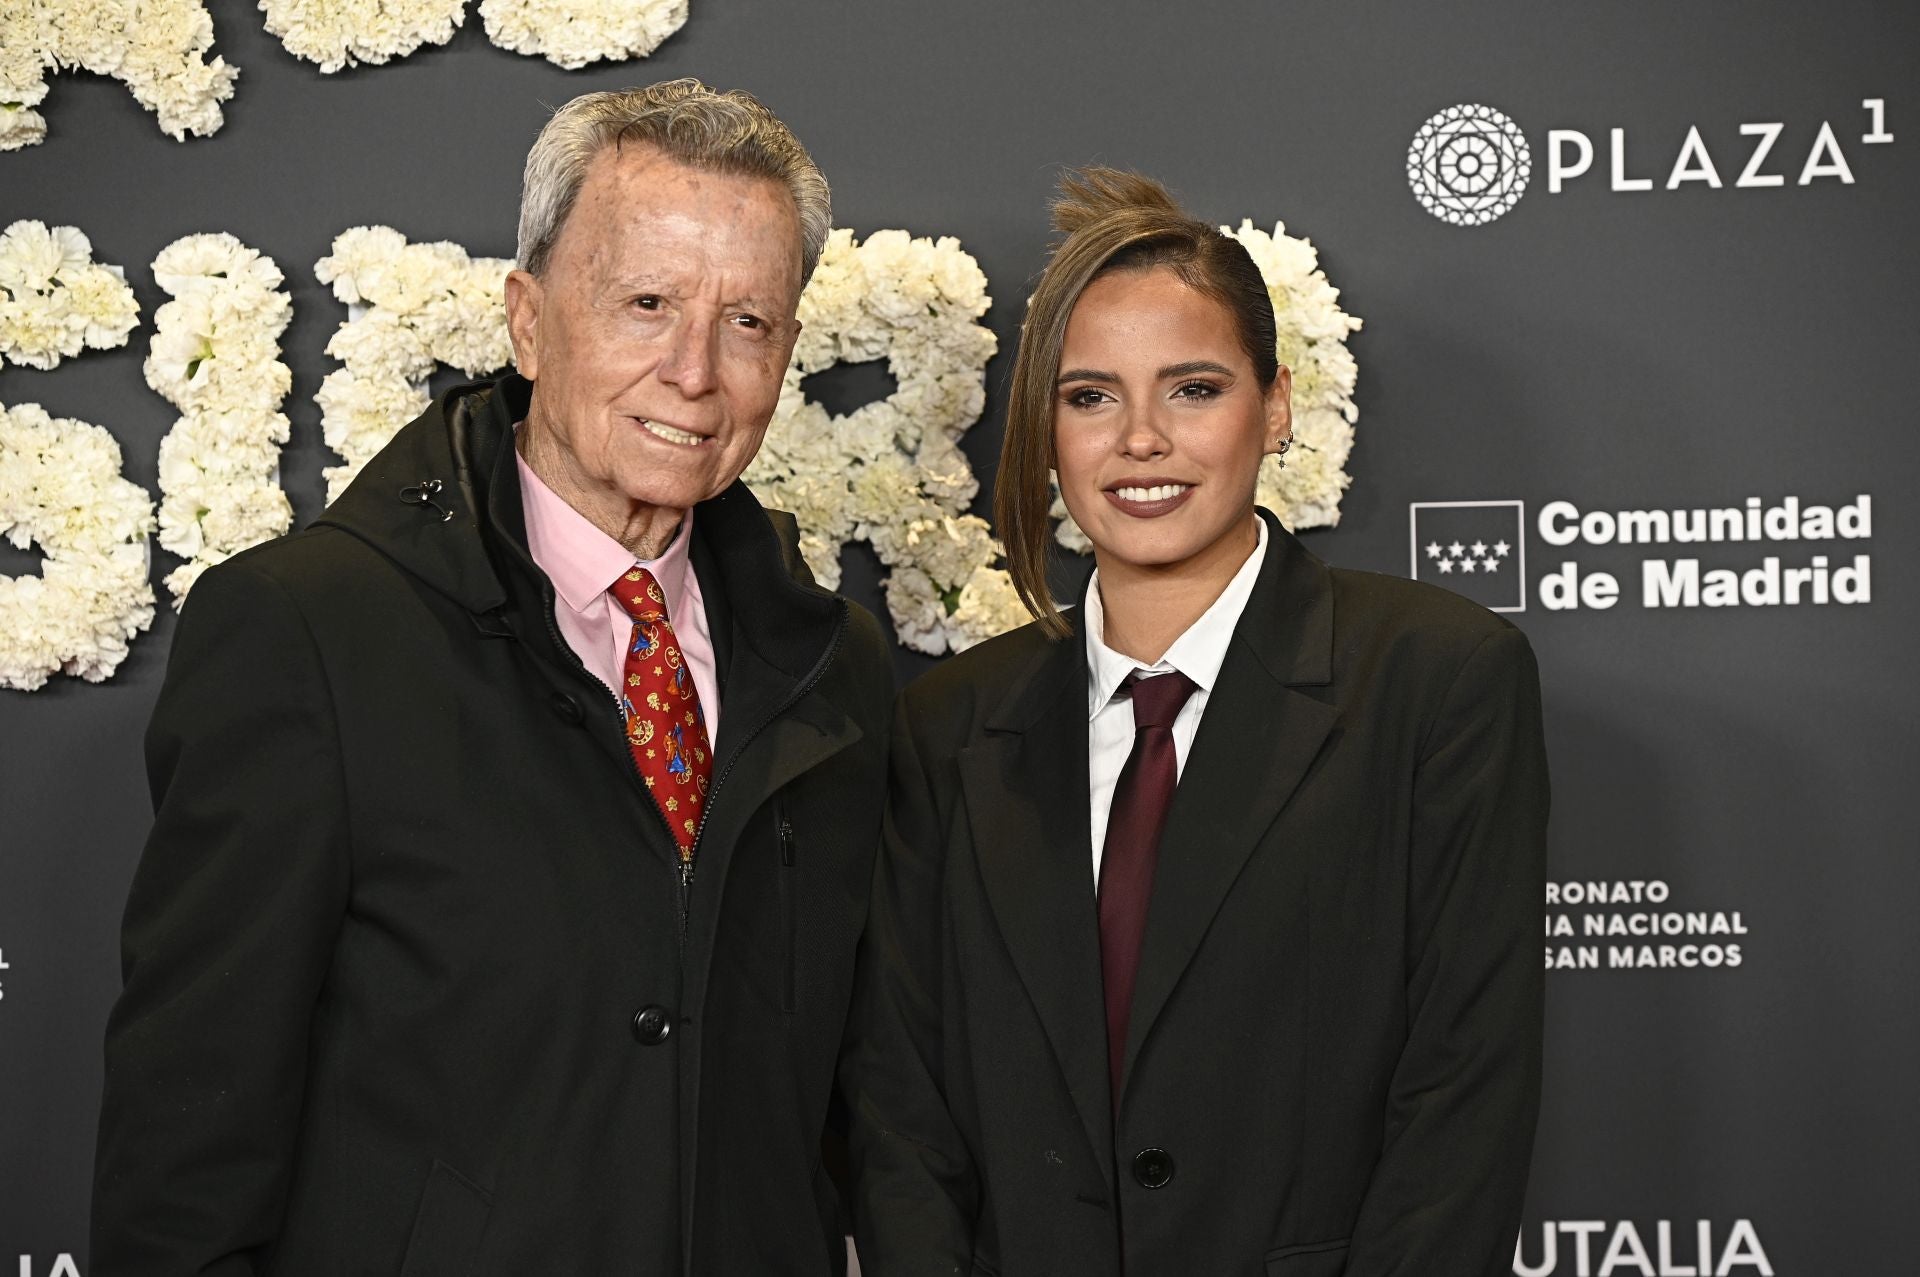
{"x":731,"y":133}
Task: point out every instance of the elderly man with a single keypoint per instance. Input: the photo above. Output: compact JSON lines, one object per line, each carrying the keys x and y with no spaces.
{"x":513,"y":823}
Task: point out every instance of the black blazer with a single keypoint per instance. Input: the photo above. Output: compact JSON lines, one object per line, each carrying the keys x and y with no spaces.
{"x":1333,"y":1063}
{"x":411,"y":985}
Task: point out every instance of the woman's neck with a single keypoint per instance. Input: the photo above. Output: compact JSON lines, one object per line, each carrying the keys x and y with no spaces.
{"x":1145,"y":607}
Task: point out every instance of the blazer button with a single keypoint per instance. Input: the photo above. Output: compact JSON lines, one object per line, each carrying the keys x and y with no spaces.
{"x":652,"y":1025}
{"x":1152,"y":1167}
{"x":568,"y":709}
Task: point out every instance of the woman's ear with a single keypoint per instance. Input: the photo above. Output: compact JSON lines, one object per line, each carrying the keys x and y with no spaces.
{"x":1279,"y":410}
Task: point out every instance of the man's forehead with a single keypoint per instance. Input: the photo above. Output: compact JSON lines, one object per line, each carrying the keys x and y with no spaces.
{"x":688,"y":229}
{"x":642,"y":171}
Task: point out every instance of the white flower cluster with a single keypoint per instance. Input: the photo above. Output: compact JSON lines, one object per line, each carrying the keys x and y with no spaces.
{"x":216,"y":357}
{"x":1312,"y":332}
{"x":157,"y":48}
{"x":413,"y":306}
{"x":55,"y":299}
{"x":341,"y":33}
{"x":60,"y":485}
{"x":338,"y":34}
{"x":572,"y":33}
{"x":1311,"y":336}
{"x":891,"y":472}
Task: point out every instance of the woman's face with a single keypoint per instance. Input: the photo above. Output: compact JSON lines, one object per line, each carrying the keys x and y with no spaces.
{"x":1159,"y":422}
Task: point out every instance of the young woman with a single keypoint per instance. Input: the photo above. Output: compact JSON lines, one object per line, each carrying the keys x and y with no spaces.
{"x":1203,"y":940}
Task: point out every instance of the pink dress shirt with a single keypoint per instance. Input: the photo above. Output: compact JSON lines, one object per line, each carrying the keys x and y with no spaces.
{"x":583,"y":563}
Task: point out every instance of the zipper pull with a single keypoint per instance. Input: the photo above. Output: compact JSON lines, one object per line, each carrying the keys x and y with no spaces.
{"x":686,"y":898}
{"x":786,"y":842}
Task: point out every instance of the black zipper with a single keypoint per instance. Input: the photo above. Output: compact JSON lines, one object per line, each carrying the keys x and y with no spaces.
{"x":633,"y":770}
{"x":786,"y":909}
{"x":620,"y":724}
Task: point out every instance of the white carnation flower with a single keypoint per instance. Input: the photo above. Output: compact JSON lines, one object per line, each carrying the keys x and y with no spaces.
{"x":919,"y":614}
{"x":55,"y":300}
{"x":890,"y":473}
{"x":421,"y":305}
{"x":338,"y":34}
{"x":32,"y":254}
{"x":573,"y":33}
{"x":215,"y":355}
{"x":355,"y":251}
{"x":989,"y":605}
{"x":61,"y":486}
{"x":157,"y":48}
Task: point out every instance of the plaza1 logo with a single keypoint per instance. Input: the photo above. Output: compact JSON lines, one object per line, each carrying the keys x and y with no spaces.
{"x":1470,"y":164}
{"x":1705,"y":556}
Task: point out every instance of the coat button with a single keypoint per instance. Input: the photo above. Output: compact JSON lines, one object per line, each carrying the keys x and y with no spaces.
{"x":1152,"y":1167}
{"x":652,"y":1025}
{"x":568,"y":709}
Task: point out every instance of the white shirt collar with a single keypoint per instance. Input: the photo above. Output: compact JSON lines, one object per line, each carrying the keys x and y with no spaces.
{"x":1198,"y":653}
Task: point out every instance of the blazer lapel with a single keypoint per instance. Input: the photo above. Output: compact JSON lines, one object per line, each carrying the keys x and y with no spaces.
{"x":1025,"y":784}
{"x":1257,"y":740}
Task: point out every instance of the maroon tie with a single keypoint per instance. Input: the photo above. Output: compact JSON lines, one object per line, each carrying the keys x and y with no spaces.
{"x":1138,"y":814}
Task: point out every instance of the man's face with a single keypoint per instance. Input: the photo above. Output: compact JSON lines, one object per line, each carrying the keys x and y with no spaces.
{"x":659,"y":333}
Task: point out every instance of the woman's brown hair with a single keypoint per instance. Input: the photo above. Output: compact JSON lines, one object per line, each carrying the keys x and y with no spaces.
{"x":1109,"y":220}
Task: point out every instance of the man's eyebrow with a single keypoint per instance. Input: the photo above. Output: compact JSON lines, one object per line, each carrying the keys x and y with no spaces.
{"x":637,"y":283}
{"x":654,"y":282}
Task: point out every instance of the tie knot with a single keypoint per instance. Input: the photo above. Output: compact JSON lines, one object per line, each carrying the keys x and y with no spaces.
{"x":639,"y":595}
{"x":1157,"y":698}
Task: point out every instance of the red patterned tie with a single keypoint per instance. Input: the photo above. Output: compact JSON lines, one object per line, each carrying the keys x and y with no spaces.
{"x":666,"y":728}
{"x":1134,"y":822}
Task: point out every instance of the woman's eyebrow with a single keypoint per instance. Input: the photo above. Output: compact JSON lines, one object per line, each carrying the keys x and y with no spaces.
{"x":1193,"y":366}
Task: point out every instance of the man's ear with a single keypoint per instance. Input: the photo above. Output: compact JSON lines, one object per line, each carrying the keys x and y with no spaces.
{"x":1279,"y":410}
{"x":524,"y":296}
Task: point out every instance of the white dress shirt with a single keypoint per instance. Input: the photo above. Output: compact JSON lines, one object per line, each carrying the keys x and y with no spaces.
{"x":1198,"y":653}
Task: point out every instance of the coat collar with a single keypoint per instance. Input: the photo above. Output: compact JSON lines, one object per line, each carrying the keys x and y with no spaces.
{"x":1026,"y":780}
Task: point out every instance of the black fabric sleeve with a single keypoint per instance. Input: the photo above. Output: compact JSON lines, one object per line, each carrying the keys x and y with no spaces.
{"x":1445,"y":1197}
{"x":226,"y":941}
{"x":916,"y":1191}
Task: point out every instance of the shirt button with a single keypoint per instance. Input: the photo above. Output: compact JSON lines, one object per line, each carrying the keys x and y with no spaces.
{"x":652,"y":1025}
{"x":1152,"y":1167}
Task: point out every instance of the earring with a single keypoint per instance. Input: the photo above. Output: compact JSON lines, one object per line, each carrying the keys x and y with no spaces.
{"x":1281,"y":452}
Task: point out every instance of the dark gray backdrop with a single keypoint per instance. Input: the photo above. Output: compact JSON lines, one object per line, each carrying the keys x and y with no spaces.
{"x":1619,"y":350}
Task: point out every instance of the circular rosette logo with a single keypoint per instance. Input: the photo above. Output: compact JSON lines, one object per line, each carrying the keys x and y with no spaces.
{"x":1468,"y":165}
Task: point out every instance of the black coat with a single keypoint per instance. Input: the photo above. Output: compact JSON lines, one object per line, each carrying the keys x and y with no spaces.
{"x":1333,"y":1062}
{"x":405,"y":897}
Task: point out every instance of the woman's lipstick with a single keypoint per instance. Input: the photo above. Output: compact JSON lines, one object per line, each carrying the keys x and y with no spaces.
{"x":1148,"y":500}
